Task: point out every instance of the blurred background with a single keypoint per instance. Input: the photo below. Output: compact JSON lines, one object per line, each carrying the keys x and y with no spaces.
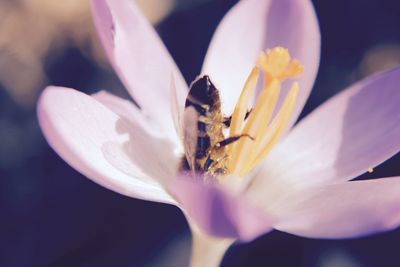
{"x":53,"y":216}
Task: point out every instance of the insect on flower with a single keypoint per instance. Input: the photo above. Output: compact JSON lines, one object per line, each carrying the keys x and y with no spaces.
{"x":204,"y":123}
{"x":231,"y":125}
{"x":207,"y":149}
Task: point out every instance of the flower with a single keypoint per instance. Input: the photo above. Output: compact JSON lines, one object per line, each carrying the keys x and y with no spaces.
{"x":300,"y":187}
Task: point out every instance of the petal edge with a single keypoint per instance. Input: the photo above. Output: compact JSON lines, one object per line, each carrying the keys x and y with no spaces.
{"x":76,"y":126}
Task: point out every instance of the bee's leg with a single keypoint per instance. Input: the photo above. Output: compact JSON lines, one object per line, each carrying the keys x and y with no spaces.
{"x":232,"y":139}
{"x":227,"y":120}
{"x":209,"y":161}
{"x":212,"y":163}
{"x":248,"y":114}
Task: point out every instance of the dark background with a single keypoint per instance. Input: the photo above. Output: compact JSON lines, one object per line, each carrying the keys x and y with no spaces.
{"x":53,"y":216}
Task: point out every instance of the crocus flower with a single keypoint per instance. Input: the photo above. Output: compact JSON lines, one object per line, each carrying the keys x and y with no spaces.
{"x":299,"y":185}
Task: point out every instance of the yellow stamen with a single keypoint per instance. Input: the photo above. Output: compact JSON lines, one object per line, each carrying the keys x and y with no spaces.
{"x":260,"y":115}
{"x":277,"y":66}
{"x":244,"y":103}
{"x":274,"y":131}
{"x":293,"y":69}
{"x":277,"y":63}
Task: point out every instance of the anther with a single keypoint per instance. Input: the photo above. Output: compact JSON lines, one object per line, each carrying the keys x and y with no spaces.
{"x":276,"y":65}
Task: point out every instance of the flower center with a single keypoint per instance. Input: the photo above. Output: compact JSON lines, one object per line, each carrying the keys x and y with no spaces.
{"x":263,"y":124}
{"x":253,"y":130}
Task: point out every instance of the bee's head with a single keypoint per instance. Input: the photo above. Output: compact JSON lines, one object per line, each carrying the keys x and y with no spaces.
{"x":204,"y":91}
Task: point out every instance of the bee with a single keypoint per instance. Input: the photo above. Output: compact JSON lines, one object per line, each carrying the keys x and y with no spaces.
{"x":203,"y":125}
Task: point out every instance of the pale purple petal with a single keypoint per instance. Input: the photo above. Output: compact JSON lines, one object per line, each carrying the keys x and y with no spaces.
{"x":139,"y":57}
{"x":218,"y":212}
{"x":253,"y":26}
{"x":354,"y":131}
{"x":344,"y":210}
{"x":78,"y":127}
{"x":144,"y":145}
{"x":129,"y":111}
{"x":177,"y":106}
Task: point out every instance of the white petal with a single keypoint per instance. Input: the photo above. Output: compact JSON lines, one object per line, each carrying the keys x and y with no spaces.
{"x":77,"y":127}
{"x":354,"y":131}
{"x":252,"y":26}
{"x":139,"y":58}
{"x":349,"y":209}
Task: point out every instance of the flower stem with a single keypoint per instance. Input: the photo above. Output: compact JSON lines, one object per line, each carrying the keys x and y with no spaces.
{"x":206,"y":250}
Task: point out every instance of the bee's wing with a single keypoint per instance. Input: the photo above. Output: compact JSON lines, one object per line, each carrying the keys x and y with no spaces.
{"x":190,"y":134}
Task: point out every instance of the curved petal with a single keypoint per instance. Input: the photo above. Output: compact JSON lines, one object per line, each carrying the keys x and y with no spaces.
{"x":177,"y":106}
{"x":351,"y":133}
{"x":344,"y":210}
{"x":145,"y":139}
{"x":139,"y":57}
{"x":127,"y":110}
{"x":77,"y":127}
{"x":253,"y":26}
{"x":217,"y":212}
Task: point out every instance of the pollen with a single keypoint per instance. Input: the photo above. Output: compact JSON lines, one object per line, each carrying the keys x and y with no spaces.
{"x":269,"y":117}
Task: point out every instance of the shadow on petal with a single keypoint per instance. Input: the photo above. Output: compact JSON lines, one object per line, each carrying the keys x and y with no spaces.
{"x":155,"y":157}
{"x":218,"y":212}
{"x":371,"y":125}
